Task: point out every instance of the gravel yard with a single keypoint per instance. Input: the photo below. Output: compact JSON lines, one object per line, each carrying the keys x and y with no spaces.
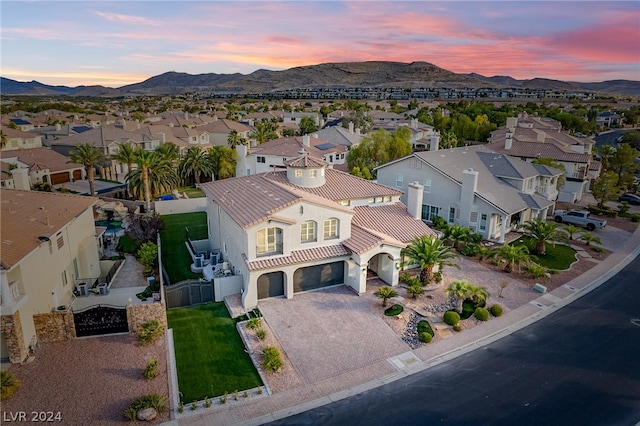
{"x":89,"y":381}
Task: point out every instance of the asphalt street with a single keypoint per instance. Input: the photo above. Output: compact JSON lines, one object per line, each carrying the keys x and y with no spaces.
{"x":578,"y":366}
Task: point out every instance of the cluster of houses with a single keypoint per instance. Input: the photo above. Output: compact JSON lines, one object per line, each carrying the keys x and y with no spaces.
{"x":292,"y":219}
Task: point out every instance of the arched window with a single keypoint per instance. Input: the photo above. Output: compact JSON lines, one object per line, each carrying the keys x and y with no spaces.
{"x":308,"y":231}
{"x":331,"y":228}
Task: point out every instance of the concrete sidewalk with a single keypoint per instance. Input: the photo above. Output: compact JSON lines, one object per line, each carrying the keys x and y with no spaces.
{"x":267,"y":409}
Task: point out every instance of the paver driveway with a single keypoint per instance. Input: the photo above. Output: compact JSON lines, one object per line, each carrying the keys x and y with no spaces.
{"x":329,"y":332}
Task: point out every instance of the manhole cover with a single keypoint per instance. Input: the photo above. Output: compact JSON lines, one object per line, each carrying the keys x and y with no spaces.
{"x":635,"y":321}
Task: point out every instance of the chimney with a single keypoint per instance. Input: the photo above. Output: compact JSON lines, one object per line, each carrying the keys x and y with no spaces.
{"x":469,"y":187}
{"x":186,"y":115}
{"x":162,"y":137}
{"x":414,"y":123}
{"x":508,"y":140}
{"x":434,"y":141}
{"x":541,"y":136}
{"x":414,"y":200}
{"x":512,"y":122}
{"x":58,"y":127}
{"x":358,"y":131}
{"x":241,"y":164}
{"x":351,"y":127}
{"x":306,"y":140}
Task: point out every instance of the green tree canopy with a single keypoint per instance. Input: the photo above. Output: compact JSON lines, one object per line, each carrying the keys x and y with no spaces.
{"x":605,"y":188}
{"x":379,"y":148}
{"x":307,"y":125}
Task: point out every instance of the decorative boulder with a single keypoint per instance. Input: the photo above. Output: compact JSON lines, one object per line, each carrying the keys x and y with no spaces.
{"x":147,"y":414}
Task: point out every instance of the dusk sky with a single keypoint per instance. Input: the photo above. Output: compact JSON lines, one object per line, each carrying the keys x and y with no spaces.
{"x":117,"y":43}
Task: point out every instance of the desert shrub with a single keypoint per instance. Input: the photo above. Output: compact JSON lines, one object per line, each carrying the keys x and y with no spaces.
{"x":437,"y":277}
{"x":271,"y":359}
{"x":415,"y":290}
{"x":536,"y":271}
{"x":457,"y":327}
{"x":496,"y":310}
{"x":451,"y":318}
{"x":598,"y":249}
{"x":635,"y":217}
{"x":9,"y":384}
{"x":152,"y":400}
{"x":481,"y":314}
{"x":149,"y":332}
{"x":261,"y":334}
{"x":151,"y":370}
{"x":425,"y":327}
{"x":425,"y":337}
{"x":439,"y":223}
{"x":405,"y":277}
{"x":254,"y":323}
{"x":394,"y":310}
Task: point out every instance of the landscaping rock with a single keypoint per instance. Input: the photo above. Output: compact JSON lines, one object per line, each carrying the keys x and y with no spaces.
{"x":147,"y":414}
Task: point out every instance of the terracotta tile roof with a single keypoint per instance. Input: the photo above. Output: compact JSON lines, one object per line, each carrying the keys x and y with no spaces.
{"x":538,"y":150}
{"x":305,"y":161}
{"x":291,"y":146}
{"x":299,"y":256}
{"x":392,"y":220}
{"x":341,"y":186}
{"x":27,"y":215}
{"x":361,"y":240}
{"x":42,"y":158}
{"x":225,"y":126}
{"x":249,"y":199}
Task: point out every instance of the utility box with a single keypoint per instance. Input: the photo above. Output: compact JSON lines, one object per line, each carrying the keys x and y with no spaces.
{"x":83,"y":289}
{"x":103,"y":289}
{"x":539,"y":287}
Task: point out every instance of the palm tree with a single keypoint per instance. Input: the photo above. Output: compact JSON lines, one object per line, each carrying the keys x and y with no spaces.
{"x":543,"y":232}
{"x":458,"y":235}
{"x":513,"y":255}
{"x":89,"y":156}
{"x":572,"y":230}
{"x":154,"y":174}
{"x":235,"y":139}
{"x":223,"y":161}
{"x":125,"y":155}
{"x":195,"y":163}
{"x":459,"y":290}
{"x":478,"y":294}
{"x":169,"y":151}
{"x":589,"y":238}
{"x":385,"y":293}
{"x":428,"y":251}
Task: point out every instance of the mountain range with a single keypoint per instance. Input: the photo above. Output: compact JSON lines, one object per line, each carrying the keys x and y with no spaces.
{"x":330,"y":75}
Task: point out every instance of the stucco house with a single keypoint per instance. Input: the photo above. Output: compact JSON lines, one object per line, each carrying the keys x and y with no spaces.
{"x":19,"y":139}
{"x":40,"y":165}
{"x":48,"y":243}
{"x":530,"y":137}
{"x":273,"y":154}
{"x":307,"y":227}
{"x":490,"y":193}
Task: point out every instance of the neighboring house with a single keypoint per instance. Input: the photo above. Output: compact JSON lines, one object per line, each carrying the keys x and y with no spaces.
{"x":529,"y":138}
{"x":183,"y":137}
{"x":183,"y":119}
{"x":43,"y":165}
{"x":296,"y":117}
{"x":219,"y":131}
{"x":308,"y":227}
{"x":274,"y":154}
{"x":48,"y":243}
{"x":474,"y":187}
{"x":18,"y":139}
{"x":608,"y":119}
{"x":339,"y":135}
{"x":22,"y":124}
{"x":384,"y":119}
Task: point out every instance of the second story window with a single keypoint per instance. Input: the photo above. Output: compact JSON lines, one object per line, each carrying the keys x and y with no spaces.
{"x":266,"y":240}
{"x":308,"y":231}
{"x":260,"y":159}
{"x":298,"y":173}
{"x":330,"y":228}
{"x":312,"y":173}
{"x":399,"y":181}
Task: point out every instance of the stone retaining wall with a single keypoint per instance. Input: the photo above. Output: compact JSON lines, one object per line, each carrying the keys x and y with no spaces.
{"x":12,"y":330}
{"x":139,"y":314}
{"x":55,"y":326}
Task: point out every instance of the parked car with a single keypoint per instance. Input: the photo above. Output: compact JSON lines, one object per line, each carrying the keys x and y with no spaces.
{"x":579,"y":217}
{"x":630,"y":198}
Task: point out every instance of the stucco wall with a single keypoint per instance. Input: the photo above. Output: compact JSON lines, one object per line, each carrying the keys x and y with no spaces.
{"x":187,"y":205}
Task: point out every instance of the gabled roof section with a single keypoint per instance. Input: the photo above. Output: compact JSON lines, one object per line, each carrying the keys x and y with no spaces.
{"x":249,"y":200}
{"x":392,"y":220}
{"x":340,"y":186}
{"x":362,"y":240}
{"x":298,"y":256}
{"x":41,"y":159}
{"x":27,"y":215}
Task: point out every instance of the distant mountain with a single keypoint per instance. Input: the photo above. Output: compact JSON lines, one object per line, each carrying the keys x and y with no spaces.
{"x":378,"y":74}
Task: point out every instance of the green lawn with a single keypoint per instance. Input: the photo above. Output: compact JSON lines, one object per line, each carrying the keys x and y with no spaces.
{"x":175,"y":256}
{"x":210,"y":355}
{"x":558,"y":256}
{"x":192,"y":192}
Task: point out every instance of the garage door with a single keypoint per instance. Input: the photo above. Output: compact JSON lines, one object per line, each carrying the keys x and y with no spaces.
{"x":313,"y":277}
{"x":77,"y":174}
{"x":271,"y":285}
{"x":58,"y":178}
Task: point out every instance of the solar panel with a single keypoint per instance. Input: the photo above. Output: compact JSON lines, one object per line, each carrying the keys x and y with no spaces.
{"x":81,"y":129}
{"x":325,"y":146}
